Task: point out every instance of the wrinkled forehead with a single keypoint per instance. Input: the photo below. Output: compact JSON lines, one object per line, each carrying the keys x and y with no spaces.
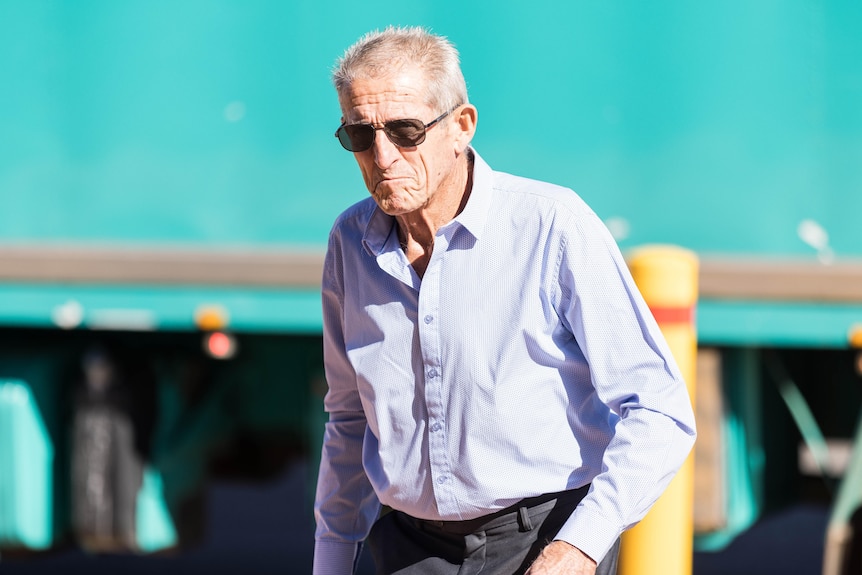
{"x":385,"y":97}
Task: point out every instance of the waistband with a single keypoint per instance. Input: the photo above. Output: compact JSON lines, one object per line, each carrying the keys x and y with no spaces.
{"x":513,"y":513}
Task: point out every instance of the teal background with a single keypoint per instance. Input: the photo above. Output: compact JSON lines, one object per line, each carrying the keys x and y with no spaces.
{"x":718,"y":126}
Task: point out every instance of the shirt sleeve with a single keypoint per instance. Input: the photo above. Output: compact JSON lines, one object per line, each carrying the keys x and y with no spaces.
{"x":633,"y":373}
{"x":345,"y":505}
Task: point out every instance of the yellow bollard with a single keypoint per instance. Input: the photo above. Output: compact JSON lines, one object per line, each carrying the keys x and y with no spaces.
{"x":662,"y":544}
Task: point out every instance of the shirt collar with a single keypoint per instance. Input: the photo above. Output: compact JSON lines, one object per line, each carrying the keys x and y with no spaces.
{"x":475,"y":213}
{"x":378,"y":230}
{"x":378,"y":236}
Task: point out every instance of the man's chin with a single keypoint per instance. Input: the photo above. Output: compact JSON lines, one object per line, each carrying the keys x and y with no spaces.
{"x":393,"y":210}
{"x":390,"y":205}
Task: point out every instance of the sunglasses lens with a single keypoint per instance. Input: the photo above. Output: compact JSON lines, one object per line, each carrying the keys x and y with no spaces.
{"x":359,"y":137}
{"x":405,"y":133}
{"x":356,"y":137}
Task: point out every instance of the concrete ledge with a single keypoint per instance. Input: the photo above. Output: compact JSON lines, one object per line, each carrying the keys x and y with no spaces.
{"x":161,"y":265}
{"x":777,"y":280}
{"x":721,"y":278}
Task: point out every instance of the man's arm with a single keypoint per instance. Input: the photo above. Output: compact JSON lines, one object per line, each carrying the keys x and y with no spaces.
{"x":634,"y":374}
{"x":345,"y":504}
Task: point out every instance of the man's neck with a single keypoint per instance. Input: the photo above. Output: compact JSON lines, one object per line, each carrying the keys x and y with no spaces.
{"x":417,"y":230}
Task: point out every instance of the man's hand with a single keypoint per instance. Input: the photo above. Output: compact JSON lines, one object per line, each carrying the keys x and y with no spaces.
{"x":561,"y":558}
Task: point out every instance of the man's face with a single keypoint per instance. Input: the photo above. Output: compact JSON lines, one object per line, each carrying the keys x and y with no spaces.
{"x":401,"y":180}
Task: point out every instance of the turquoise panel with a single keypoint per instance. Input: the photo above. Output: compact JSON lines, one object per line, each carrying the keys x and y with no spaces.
{"x":784,"y":324}
{"x":154,"y":525}
{"x":744,"y":450}
{"x":748,"y":323}
{"x":157,"y":308}
{"x":26,"y":458}
{"x":718,"y":126}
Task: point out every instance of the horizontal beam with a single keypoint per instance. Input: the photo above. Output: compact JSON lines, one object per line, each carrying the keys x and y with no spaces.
{"x":780,"y":280}
{"x":161,"y":266}
{"x":720,"y":278}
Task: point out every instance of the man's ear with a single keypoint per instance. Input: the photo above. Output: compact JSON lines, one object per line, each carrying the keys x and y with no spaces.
{"x":465,"y":121}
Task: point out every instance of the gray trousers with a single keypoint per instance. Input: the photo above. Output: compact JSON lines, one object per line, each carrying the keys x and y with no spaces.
{"x":504,"y":543}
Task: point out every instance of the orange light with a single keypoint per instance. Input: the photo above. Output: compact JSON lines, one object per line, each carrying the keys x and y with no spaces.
{"x":220,"y":345}
{"x":211,"y":317}
{"x":854,"y":336}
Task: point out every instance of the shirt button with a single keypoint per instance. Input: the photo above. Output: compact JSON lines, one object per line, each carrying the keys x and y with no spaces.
{"x":432,"y":373}
{"x":442,"y":479}
{"x":436,"y":427}
{"x":429,"y":318}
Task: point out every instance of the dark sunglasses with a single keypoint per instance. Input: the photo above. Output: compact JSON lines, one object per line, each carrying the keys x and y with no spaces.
{"x":403,"y":133}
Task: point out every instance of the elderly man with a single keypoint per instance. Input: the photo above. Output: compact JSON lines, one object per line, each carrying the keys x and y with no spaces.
{"x":495,"y":379}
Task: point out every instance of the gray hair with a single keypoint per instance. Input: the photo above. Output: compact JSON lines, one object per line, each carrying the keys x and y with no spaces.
{"x":380,"y":54}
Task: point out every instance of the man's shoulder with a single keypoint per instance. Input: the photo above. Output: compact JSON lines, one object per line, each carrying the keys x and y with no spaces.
{"x":521,"y":189}
{"x":356,"y":216}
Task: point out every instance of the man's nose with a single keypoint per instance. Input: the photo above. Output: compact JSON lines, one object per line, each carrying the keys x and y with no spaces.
{"x":385,"y":152}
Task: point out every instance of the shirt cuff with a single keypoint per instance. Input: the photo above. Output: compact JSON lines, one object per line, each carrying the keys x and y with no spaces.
{"x":589,"y":532}
{"x":334,"y":557}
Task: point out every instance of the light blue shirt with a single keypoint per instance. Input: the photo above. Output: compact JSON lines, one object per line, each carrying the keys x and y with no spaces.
{"x":524,"y":362}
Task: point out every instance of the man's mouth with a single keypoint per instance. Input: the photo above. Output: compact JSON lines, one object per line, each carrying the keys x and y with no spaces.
{"x":389,"y":179}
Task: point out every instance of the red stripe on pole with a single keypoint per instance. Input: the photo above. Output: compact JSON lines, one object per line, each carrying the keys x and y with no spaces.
{"x":673,"y":314}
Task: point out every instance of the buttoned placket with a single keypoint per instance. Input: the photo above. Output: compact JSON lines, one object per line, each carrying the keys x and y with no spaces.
{"x":431,"y":345}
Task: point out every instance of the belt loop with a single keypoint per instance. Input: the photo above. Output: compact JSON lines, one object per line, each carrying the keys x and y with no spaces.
{"x":524,"y":523}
